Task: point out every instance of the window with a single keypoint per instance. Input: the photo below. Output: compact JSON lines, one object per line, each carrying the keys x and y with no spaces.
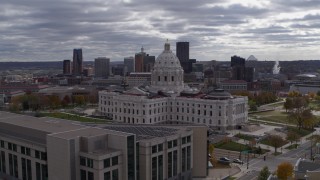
{"x":172,"y":78}
{"x":82,"y":161}
{"x":43,"y":156}
{"x":188,"y":139}
{"x":154,"y":168}
{"x":28,"y":151}
{"x":9,"y":146}
{"x":2,"y":143}
{"x":169,"y":144}
{"x":160,"y":167}
{"x":83,"y":174}
{"x":90,"y":175}
{"x":175,"y":143}
{"x":115,"y":174}
{"x":106,"y":163}
{"x":107,"y":176}
{"x":114,"y":160}
{"x":175,"y":163}
{"x":183,"y":159}
{"x":154,"y":149}
{"x":188,"y":158}
{"x":160,"y":147}
{"x":158,"y":78}
{"x":89,"y":163}
{"x":165,"y":78}
{"x":23,"y":150}
{"x":169,"y":164}
{"x":184,"y":140}
{"x":3,"y":162}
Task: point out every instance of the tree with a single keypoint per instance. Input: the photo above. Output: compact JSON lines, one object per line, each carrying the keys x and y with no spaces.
{"x":67,"y":99}
{"x":54,"y":101}
{"x":264,"y":173}
{"x":275,"y":141}
{"x":293,"y":136}
{"x":288,"y":105}
{"x":79,"y":99}
{"x":253,"y":105}
{"x":300,"y":111}
{"x":211,"y":149}
{"x":294,"y":94}
{"x":284,"y":171}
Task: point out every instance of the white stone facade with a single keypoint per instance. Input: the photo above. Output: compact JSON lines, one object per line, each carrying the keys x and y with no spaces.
{"x":168,"y":100}
{"x":141,"y":110}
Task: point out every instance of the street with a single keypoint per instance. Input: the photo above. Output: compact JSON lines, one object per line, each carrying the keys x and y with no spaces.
{"x":255,"y":165}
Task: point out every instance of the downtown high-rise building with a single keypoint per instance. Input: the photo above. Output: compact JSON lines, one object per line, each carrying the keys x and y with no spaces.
{"x":102,"y":67}
{"x":182,"y":52}
{"x":129,"y":64}
{"x":77,"y":62}
{"x":240,"y":71}
{"x":143,"y":62}
{"x":66,"y":66}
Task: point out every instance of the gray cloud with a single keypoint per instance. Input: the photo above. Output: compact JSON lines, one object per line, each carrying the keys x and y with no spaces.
{"x":42,"y":30}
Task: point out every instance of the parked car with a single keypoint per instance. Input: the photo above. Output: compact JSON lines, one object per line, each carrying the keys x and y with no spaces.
{"x":224,"y":160}
{"x":237,"y":161}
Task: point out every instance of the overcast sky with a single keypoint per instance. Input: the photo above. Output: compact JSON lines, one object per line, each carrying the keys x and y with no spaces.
{"x":34,"y":30}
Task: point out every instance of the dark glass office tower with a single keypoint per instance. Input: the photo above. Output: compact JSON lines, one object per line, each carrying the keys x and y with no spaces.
{"x":182,"y":51}
{"x":66,"y":67}
{"x":77,"y":62}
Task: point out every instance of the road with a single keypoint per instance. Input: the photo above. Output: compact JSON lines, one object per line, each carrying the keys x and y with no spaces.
{"x":255,"y":165}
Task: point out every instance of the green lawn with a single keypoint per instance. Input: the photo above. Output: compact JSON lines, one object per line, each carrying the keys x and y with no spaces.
{"x":272,"y":116}
{"x":302,"y":132}
{"x":267,"y":142}
{"x":74,"y":117}
{"x":234,"y":146}
{"x":244,"y":136}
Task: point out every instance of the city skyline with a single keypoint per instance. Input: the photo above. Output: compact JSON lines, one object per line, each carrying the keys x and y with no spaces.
{"x":268,"y":29}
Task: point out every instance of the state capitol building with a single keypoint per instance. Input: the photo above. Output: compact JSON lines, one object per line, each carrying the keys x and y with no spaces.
{"x":168,"y":100}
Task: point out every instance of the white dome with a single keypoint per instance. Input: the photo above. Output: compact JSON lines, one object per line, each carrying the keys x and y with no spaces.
{"x":167,"y":59}
{"x":167,"y":73}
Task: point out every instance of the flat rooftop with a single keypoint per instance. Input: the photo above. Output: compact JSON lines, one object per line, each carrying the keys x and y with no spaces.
{"x":35,"y":130}
{"x":45,"y":124}
{"x":147,"y":131}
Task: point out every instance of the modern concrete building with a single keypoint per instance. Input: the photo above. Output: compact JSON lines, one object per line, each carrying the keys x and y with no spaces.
{"x":139,"y":78}
{"x":66,"y":67}
{"x":169,"y":100}
{"x":233,"y":85}
{"x":77,"y":62}
{"x":102,"y":67}
{"x":305,"y":88}
{"x":55,"y":149}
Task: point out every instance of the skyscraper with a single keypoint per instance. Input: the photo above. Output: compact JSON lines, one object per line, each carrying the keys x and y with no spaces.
{"x":129,"y":64}
{"x":148,"y":63}
{"x":66,"y":67}
{"x":144,"y":62}
{"x":77,"y":61}
{"x":138,"y":58}
{"x":182,"y":51}
{"x":238,"y":61}
{"x":102,"y":67}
